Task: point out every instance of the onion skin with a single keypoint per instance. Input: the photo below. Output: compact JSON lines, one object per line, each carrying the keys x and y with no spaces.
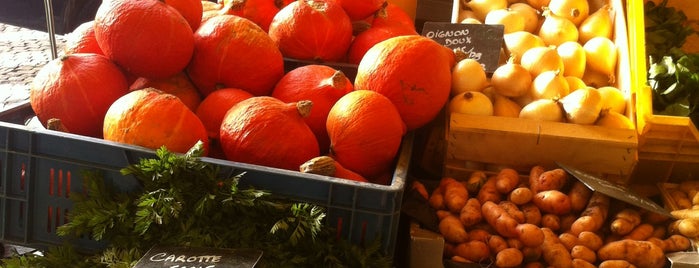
{"x":543,"y":110}
{"x":472,"y":103}
{"x":582,"y":106}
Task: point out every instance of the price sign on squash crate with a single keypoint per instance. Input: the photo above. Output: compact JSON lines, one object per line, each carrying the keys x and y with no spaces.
{"x":480,"y":42}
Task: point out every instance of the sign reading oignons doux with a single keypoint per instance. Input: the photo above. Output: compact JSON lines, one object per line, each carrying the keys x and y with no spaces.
{"x":480,"y":42}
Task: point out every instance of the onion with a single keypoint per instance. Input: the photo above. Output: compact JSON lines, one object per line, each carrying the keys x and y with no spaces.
{"x":575,"y":83}
{"x":556,"y":30}
{"x":574,"y":10}
{"x":504,"y":106}
{"x":472,"y":103}
{"x":483,"y":7}
{"x":598,"y":79}
{"x":511,"y":80}
{"x":582,"y":106}
{"x":612,"y":99}
{"x":544,"y":110}
{"x":549,"y":85}
{"x":531,"y":16}
{"x":538,"y":4}
{"x":601,"y":55}
{"x":466,"y":14}
{"x":612,"y":119}
{"x":573,"y":56}
{"x":512,"y":21}
{"x":471,"y":21}
{"x":599,"y":23}
{"x":519,"y":42}
{"x":540,"y":59}
{"x":468,"y":75}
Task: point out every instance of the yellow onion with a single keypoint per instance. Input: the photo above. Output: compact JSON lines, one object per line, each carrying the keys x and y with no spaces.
{"x":601,"y":55}
{"x":613,"y":99}
{"x":582,"y":106}
{"x":544,"y":110}
{"x":468,"y":75}
{"x":540,"y":59}
{"x":599,"y":23}
{"x":598,"y":79}
{"x":573,"y":56}
{"x":512,"y":21}
{"x":472,"y":103}
{"x":466,"y":14}
{"x":482,"y":7}
{"x":517,"y":43}
{"x":575,"y":83}
{"x":511,"y":80}
{"x":504,"y":106}
{"x":612,"y":119}
{"x":538,"y":4}
{"x":549,"y":85}
{"x":574,"y":10}
{"x":556,"y":30}
{"x":532,"y":17}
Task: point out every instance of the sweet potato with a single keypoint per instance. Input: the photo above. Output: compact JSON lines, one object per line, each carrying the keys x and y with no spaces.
{"x":584,"y":253}
{"x":455,"y":194}
{"x":567,"y":221}
{"x":638,"y":253}
{"x":471,"y":212}
{"x":530,"y":235}
{"x":552,"y":201}
{"x":488,"y":192}
{"x":453,"y":231}
{"x":532,"y":214}
{"x":520,"y":195}
{"x":436,"y":200}
{"x":531,"y":253}
{"x":513,"y":210}
{"x":616,"y":264}
{"x":509,"y":257}
{"x":475,"y":251}
{"x":553,"y":179}
{"x":676,"y":243}
{"x":579,"y":195}
{"x":534,"y":174}
{"x":506,"y":180}
{"x":475,"y":181}
{"x":594,"y":215}
{"x":641,"y":232}
{"x":590,"y":240}
{"x":441,"y":214}
{"x":496,"y":243}
{"x":459,"y":259}
{"x":479,"y":235}
{"x":497,"y":217}
{"x":625,"y":221}
{"x":514,"y":243}
{"x":420,"y":188}
{"x":551,"y":221}
{"x":534,"y":264}
{"x":580,"y":263}
{"x":555,"y":254}
{"x":568,"y":240}
{"x":660,"y":231}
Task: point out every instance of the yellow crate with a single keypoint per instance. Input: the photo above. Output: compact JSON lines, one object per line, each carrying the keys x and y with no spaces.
{"x":662,"y":140}
{"x":522,"y":143}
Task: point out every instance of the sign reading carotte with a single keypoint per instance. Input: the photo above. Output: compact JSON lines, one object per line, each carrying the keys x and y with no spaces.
{"x":197,"y":257}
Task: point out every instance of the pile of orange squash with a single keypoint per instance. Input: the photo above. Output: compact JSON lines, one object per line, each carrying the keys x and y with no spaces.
{"x":171,"y":73}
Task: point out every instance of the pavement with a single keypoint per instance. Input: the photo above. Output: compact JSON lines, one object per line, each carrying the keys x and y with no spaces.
{"x":23,"y":51}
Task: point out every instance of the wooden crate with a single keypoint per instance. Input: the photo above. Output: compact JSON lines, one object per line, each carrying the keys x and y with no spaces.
{"x":663,"y":140}
{"x":522,"y":143}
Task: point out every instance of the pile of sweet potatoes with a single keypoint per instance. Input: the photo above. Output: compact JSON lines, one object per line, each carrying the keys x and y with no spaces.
{"x":546,"y":218}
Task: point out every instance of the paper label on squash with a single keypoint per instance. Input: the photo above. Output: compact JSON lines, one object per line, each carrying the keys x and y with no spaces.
{"x":615,"y":191}
{"x":480,"y":42}
{"x":199,"y":257}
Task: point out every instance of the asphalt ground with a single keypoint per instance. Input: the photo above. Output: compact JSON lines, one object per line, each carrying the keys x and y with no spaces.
{"x":23,"y":51}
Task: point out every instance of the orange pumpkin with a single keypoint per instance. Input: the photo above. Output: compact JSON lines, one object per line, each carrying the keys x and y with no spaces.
{"x":178,"y":85}
{"x":151,"y":118}
{"x":312,"y":30}
{"x":358,"y":10}
{"x":260,"y":12}
{"x":232,"y":51}
{"x":413,"y":71}
{"x":365,"y":131}
{"x":265,"y":131}
{"x":214,"y":107}
{"x":77,"y":89}
{"x":191,"y":10}
{"x":321,"y":84}
{"x":82,"y":40}
{"x":148,"y":38}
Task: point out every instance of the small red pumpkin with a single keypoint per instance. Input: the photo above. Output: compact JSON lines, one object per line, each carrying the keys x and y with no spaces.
{"x":392,"y":14}
{"x":372,"y":36}
{"x":77,"y":89}
{"x":365,"y":131}
{"x":191,"y":10}
{"x":398,"y":68}
{"x":214,"y":107}
{"x":358,"y":10}
{"x":178,"y":85}
{"x":232,"y":51}
{"x":152,"y":118}
{"x":260,"y":12}
{"x":321,"y":84}
{"x":312,"y":30}
{"x":82,"y":40}
{"x":266,"y":131}
{"x":148,"y":38}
